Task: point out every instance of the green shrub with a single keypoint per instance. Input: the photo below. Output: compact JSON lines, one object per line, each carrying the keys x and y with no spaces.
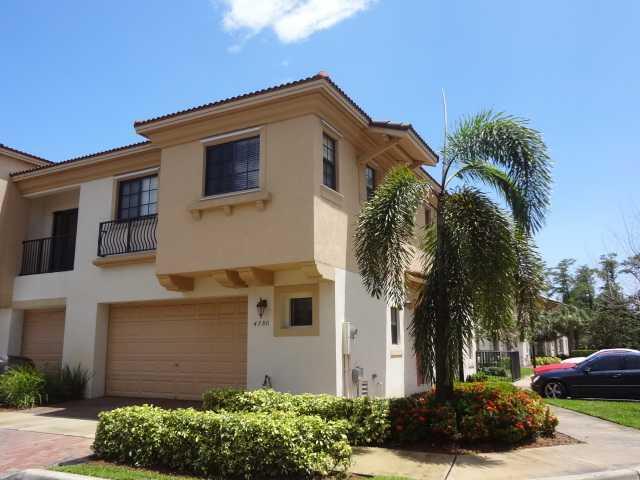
{"x":367,"y":419}
{"x":68,"y":384}
{"x":22,"y":387}
{"x":225,"y":444}
{"x":479,"y":412}
{"x":479,"y":376}
{"x":546,"y":360}
{"x":585,"y":352}
{"x":494,"y":371}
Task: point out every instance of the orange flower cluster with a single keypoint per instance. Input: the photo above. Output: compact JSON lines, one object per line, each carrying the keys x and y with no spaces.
{"x":479,"y":412}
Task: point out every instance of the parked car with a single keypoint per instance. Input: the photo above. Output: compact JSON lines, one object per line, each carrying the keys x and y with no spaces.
{"x":607,"y":374}
{"x":570,"y":362}
{"x":574,"y":360}
{"x":10,"y":361}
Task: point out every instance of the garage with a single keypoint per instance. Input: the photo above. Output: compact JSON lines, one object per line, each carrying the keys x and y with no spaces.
{"x":43,"y":337}
{"x":176,"y":350}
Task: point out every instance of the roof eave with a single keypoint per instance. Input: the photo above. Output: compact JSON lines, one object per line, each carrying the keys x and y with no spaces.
{"x":24,"y":156}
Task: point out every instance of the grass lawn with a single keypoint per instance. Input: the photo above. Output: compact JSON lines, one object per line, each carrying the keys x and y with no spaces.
{"x":526,"y":372}
{"x":121,"y":472}
{"x":624,"y":413}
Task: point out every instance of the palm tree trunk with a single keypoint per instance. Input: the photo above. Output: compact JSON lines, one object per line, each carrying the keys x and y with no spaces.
{"x":444,"y":377}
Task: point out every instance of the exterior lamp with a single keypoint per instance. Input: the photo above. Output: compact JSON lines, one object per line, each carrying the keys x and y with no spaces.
{"x":261,"y":306}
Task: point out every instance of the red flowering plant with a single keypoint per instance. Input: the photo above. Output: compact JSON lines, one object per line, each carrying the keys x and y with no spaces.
{"x":479,"y":412}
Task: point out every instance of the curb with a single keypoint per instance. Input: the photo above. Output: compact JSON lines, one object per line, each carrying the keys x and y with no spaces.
{"x":39,"y":474}
{"x":632,"y":473}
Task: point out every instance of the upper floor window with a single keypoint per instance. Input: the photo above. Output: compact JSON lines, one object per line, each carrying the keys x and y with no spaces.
{"x":370,"y":179}
{"x":138,"y":197}
{"x":395,"y":327}
{"x":329,"y":170}
{"x":428,"y":216}
{"x":232,"y":167}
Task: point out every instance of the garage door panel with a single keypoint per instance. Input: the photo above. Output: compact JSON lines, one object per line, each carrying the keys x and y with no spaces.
{"x":43,"y":337}
{"x":177,"y":351}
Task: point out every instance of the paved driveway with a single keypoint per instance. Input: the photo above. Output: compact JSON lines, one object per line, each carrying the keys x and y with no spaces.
{"x":47,"y":435}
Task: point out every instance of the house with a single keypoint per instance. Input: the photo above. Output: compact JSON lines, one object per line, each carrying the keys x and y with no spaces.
{"x":216,"y":252}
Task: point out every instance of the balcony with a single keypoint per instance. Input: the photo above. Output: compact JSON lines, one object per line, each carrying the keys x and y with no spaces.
{"x":117,"y":237}
{"x":48,"y":255}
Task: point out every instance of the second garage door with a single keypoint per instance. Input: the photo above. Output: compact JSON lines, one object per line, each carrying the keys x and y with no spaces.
{"x":42,"y":338}
{"x":176,"y":350}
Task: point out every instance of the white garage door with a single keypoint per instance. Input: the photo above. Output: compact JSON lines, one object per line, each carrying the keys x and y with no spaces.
{"x":176,"y":350}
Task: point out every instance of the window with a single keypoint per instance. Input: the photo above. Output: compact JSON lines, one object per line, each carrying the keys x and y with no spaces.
{"x":428,"y":216}
{"x":632,"y":362}
{"x":138,"y":197}
{"x":301,"y":312}
{"x":610,"y":362}
{"x":395,"y":327}
{"x":232,"y":167}
{"x":329,"y":171}
{"x":370,"y":178}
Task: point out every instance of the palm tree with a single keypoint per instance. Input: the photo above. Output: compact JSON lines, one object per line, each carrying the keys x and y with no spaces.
{"x":479,"y":258}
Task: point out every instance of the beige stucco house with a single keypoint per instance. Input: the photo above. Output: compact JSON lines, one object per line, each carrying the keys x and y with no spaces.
{"x":216,"y":252}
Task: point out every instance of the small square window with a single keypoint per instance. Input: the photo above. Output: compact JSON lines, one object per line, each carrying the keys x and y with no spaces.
{"x":395,"y":327}
{"x":301,"y":312}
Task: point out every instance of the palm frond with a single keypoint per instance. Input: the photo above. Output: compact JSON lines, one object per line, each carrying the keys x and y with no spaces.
{"x":501,"y":183}
{"x":384,"y":232}
{"x":469,"y":281}
{"x":530,"y":284}
{"x":507,"y":142}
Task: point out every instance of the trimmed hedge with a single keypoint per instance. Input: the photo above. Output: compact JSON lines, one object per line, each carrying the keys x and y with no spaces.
{"x":584,"y":352}
{"x":546,"y":360}
{"x":479,"y":412}
{"x":22,"y":387}
{"x":223,"y":445}
{"x":367,"y":419}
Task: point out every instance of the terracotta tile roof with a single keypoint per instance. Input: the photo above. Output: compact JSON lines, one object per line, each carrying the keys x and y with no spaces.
{"x":83,"y":157}
{"x":319,"y":76}
{"x":15,"y":150}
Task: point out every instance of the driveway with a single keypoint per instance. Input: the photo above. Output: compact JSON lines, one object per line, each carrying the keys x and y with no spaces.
{"x":53,"y":434}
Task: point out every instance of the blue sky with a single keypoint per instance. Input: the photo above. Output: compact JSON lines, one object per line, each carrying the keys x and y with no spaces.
{"x":74,"y":75}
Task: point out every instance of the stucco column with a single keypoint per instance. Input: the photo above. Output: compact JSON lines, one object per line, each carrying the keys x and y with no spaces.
{"x":10,"y":331}
{"x":85,"y":341}
{"x":260,"y":339}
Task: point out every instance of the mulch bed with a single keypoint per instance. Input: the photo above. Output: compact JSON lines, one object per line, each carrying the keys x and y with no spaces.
{"x":454,"y":448}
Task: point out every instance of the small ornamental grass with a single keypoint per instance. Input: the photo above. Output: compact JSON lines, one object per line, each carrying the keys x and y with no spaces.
{"x":22,"y":387}
{"x":367,"y":419}
{"x":224,"y":444}
{"x":479,"y":412}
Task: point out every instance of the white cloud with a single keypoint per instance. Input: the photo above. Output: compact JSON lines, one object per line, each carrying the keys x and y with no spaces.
{"x":291,"y":20}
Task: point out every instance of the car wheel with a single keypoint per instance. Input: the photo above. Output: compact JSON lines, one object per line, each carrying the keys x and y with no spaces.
{"x":555,"y":389}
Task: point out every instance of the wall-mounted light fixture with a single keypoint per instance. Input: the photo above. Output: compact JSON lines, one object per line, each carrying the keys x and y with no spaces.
{"x":261,"y":306}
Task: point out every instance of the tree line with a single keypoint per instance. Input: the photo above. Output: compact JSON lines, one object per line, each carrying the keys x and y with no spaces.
{"x":596,"y":312}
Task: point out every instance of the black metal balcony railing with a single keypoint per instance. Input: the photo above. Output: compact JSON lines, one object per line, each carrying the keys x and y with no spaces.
{"x":47,"y":255}
{"x":127,"y":236}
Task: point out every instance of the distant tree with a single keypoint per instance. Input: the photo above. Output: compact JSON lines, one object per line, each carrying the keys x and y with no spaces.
{"x":561,"y":280}
{"x":616,"y":322}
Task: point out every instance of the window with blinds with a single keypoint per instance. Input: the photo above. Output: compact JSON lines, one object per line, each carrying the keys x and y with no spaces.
{"x":329,"y":170}
{"x":232,"y":167}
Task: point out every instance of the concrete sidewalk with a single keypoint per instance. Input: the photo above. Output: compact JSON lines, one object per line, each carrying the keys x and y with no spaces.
{"x":606,"y":446}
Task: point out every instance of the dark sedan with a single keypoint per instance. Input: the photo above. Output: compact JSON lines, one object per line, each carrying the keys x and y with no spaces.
{"x":612,"y":374}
